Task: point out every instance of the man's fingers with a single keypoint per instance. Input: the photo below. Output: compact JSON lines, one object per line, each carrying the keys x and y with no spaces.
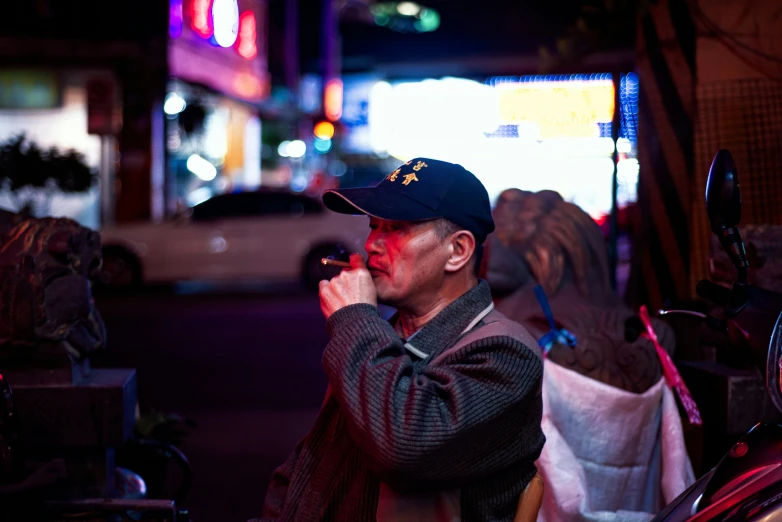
{"x":322,"y":284}
{"x":356,"y":261}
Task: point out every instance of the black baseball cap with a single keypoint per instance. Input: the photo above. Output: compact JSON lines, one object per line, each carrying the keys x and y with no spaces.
{"x":420,"y":190}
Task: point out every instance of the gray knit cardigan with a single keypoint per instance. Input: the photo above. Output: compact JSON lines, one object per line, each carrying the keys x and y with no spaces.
{"x":469,"y":420}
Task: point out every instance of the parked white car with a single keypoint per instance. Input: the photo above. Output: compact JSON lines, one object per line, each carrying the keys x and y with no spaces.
{"x":247,"y":236}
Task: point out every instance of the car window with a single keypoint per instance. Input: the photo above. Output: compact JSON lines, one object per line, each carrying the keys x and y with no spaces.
{"x":225,"y":206}
{"x":305,"y":205}
{"x":247,"y":204}
{"x":266,"y":203}
{"x":214,"y":208}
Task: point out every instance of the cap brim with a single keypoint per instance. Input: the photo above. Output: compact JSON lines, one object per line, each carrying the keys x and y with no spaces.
{"x":379,"y":202}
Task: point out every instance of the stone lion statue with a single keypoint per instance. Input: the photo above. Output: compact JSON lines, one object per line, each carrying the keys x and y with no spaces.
{"x":542,"y":239}
{"x":45,"y":294}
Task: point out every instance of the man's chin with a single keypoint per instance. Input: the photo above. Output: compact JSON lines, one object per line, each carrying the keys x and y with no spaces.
{"x":383,"y":296}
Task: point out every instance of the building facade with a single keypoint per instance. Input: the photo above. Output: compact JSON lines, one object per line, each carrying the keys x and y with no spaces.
{"x":96,"y":79}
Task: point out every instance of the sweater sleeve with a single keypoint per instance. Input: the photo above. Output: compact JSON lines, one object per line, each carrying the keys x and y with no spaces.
{"x":450,"y":422}
{"x":277,"y":491}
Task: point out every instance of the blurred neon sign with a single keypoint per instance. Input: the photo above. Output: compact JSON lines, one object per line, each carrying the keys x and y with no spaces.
{"x":200,"y":20}
{"x":332,"y":99}
{"x":175,"y":19}
{"x":200,"y":52}
{"x":225,"y":20}
{"x":219,"y":22}
{"x":248,"y":35}
{"x":248,"y":86}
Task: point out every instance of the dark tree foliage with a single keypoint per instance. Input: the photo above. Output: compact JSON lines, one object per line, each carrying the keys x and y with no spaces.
{"x":33,"y":174}
{"x":602,"y":25}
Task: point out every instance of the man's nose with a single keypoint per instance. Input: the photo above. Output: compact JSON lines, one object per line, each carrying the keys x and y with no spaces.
{"x":373,"y":244}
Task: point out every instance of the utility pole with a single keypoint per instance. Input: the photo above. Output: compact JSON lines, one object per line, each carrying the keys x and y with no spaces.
{"x":292,"y":48}
{"x":613,"y":254}
{"x":331,"y":63}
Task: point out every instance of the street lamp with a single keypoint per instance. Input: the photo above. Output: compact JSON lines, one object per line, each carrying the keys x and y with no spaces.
{"x":405,"y":17}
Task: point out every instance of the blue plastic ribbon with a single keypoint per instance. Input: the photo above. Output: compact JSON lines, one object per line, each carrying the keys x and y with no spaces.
{"x":555,"y":335}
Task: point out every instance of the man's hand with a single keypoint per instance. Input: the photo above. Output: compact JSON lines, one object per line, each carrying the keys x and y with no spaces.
{"x":354,"y":285}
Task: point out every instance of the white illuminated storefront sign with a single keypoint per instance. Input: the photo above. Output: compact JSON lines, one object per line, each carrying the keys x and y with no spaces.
{"x":534,"y":136}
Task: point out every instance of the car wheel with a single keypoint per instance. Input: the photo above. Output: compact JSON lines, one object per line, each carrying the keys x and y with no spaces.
{"x":120,"y":269}
{"x":314,"y":271}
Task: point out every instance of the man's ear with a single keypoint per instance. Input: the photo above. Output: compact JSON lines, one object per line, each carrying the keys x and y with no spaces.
{"x":462,"y":249}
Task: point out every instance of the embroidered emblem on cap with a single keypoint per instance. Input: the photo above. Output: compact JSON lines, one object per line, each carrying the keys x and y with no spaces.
{"x":408,"y":177}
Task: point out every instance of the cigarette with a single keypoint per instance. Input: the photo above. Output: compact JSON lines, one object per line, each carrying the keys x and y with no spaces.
{"x":333,"y":262}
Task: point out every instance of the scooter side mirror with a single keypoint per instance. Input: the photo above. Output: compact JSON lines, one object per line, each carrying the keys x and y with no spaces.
{"x":723,"y":197}
{"x":723,"y":205}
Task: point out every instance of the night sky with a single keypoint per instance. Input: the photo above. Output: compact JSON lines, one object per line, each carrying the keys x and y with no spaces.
{"x":488,"y":27}
{"x":485,"y":27}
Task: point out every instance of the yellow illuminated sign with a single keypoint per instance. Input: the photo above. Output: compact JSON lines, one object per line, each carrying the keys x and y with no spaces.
{"x":559,"y":108}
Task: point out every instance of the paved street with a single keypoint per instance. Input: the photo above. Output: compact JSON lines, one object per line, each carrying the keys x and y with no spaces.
{"x":244,"y":365}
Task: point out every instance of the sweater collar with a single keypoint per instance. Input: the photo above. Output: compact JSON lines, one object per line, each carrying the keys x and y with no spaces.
{"x":447,"y":326}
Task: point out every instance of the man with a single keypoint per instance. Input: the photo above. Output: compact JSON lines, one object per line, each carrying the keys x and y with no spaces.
{"x":435,"y":414}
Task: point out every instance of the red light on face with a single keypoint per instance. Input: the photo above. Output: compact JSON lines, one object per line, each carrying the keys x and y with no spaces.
{"x":246,"y":41}
{"x":200,"y":17}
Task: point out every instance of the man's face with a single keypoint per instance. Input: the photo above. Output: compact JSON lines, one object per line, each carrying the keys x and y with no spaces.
{"x":406,"y":260}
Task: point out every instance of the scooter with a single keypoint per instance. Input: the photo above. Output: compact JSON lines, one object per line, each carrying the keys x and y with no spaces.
{"x":746,"y":484}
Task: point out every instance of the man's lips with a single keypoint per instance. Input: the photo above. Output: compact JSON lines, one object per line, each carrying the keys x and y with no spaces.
{"x":375,"y":269}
